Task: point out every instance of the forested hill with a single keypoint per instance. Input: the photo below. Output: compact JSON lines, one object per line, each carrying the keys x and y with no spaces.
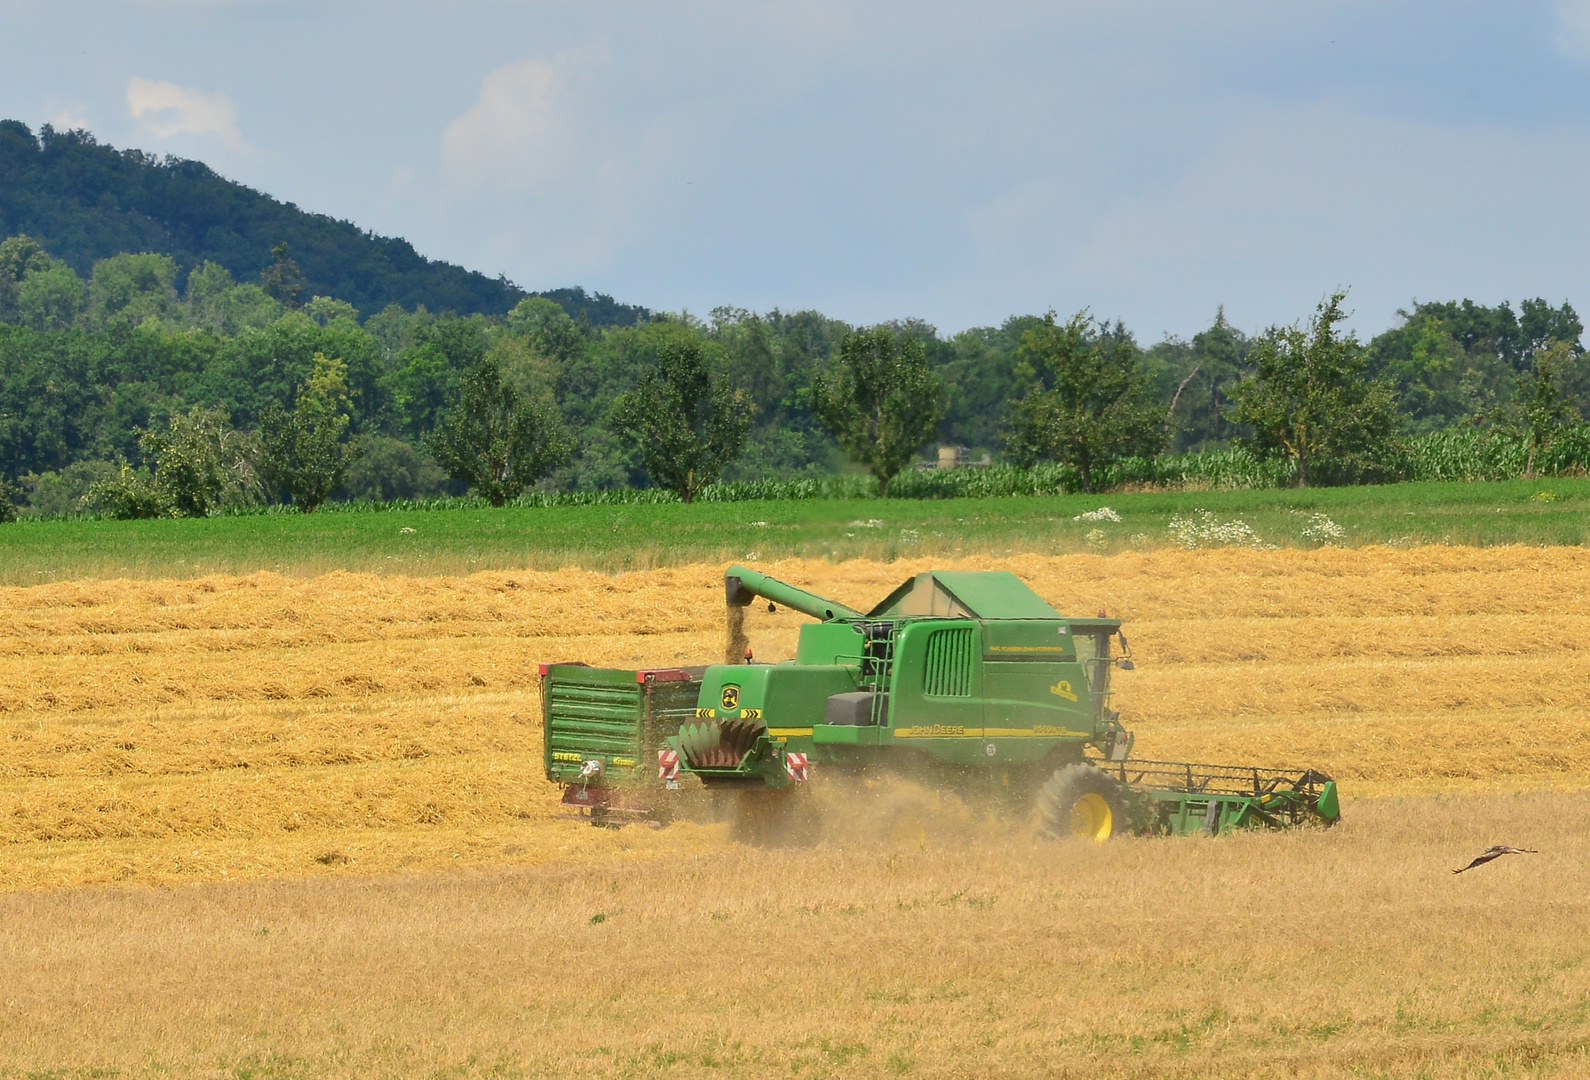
{"x":83,"y":201}
{"x":134,"y":291}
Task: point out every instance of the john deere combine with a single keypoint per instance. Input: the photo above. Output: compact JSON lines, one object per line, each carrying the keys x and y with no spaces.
{"x":969,"y":679}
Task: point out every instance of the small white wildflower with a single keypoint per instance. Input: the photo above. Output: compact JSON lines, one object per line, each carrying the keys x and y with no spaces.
{"x":405,"y":529}
{"x":1096,"y":538}
{"x":909,"y":536}
{"x":1202,"y":529}
{"x":1103,"y":513}
{"x":870,"y":523}
{"x":1322,"y":530}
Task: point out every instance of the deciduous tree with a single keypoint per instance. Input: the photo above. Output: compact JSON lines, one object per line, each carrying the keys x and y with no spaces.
{"x":307,"y":451}
{"x":130,"y":289}
{"x":1090,"y":403}
{"x":881,"y":402}
{"x":19,"y":255}
{"x":496,"y":440}
{"x":202,"y":463}
{"x":687,"y":423}
{"x":1543,"y":410}
{"x":51,"y":299}
{"x":1311,"y":399}
{"x":197,"y":465}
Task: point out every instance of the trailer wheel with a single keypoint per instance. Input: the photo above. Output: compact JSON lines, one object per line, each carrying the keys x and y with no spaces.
{"x":1081,"y":801}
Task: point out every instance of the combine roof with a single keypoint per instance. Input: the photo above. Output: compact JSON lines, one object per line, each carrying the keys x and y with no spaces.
{"x":976,"y":594}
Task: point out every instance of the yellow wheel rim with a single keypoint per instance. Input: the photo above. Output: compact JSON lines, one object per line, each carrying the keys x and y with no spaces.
{"x":1092,"y":819}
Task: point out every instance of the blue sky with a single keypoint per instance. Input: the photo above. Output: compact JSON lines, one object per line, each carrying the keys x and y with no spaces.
{"x":953,"y":162}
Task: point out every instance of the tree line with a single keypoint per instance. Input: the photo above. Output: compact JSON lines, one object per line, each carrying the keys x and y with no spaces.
{"x":142,"y":390}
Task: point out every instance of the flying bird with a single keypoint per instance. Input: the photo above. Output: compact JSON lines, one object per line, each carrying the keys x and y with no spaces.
{"x":1496,"y":853}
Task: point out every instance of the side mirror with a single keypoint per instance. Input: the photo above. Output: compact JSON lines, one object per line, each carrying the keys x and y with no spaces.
{"x":1125,"y":662}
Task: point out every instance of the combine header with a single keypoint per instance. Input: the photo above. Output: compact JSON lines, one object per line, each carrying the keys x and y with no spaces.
{"x":968,"y":679}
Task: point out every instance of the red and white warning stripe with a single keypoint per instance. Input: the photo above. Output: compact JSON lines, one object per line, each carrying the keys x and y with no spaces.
{"x":797,"y":766}
{"x":667,"y":764}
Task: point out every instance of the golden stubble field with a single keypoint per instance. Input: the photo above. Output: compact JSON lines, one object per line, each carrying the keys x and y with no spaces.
{"x":310,"y":817}
{"x":246,"y":727}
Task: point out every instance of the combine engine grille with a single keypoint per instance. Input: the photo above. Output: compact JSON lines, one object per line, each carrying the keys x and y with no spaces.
{"x":719,"y":744}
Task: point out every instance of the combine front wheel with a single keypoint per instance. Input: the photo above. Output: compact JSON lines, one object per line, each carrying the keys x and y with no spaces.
{"x":1081,"y":801}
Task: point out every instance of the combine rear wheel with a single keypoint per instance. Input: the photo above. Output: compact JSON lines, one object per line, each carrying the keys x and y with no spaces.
{"x":1081,"y":801}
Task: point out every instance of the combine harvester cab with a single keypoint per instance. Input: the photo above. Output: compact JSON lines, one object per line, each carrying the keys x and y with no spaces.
{"x":602,"y":729}
{"x":974,"y":681}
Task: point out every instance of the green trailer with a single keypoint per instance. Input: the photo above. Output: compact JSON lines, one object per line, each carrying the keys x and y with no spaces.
{"x":968,"y":680}
{"x":602,"y":729}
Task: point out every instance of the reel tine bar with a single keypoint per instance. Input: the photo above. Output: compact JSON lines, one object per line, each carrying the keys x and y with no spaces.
{"x":1195,"y":779}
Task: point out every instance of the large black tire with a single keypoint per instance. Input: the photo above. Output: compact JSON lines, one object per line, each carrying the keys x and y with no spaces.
{"x":1081,"y":801}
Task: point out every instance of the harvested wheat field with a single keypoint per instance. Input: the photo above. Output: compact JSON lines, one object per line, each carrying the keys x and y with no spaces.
{"x":246,"y":727}
{"x":347,"y":736}
{"x":1352,"y":952}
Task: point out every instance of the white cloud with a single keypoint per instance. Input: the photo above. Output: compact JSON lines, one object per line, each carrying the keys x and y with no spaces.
{"x":542,"y":147}
{"x":1573,"y":33}
{"x":522,"y":133}
{"x":165,"y":109}
{"x":68,"y":115}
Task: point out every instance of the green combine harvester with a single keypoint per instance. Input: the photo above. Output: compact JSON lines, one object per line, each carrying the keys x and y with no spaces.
{"x":967,"y":680}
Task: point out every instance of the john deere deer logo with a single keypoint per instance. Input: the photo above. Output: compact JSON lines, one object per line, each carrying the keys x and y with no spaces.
{"x":731,"y":698}
{"x":1063,"y":689}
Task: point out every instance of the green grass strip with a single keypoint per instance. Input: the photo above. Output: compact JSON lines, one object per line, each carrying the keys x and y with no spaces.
{"x":626,"y":537}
